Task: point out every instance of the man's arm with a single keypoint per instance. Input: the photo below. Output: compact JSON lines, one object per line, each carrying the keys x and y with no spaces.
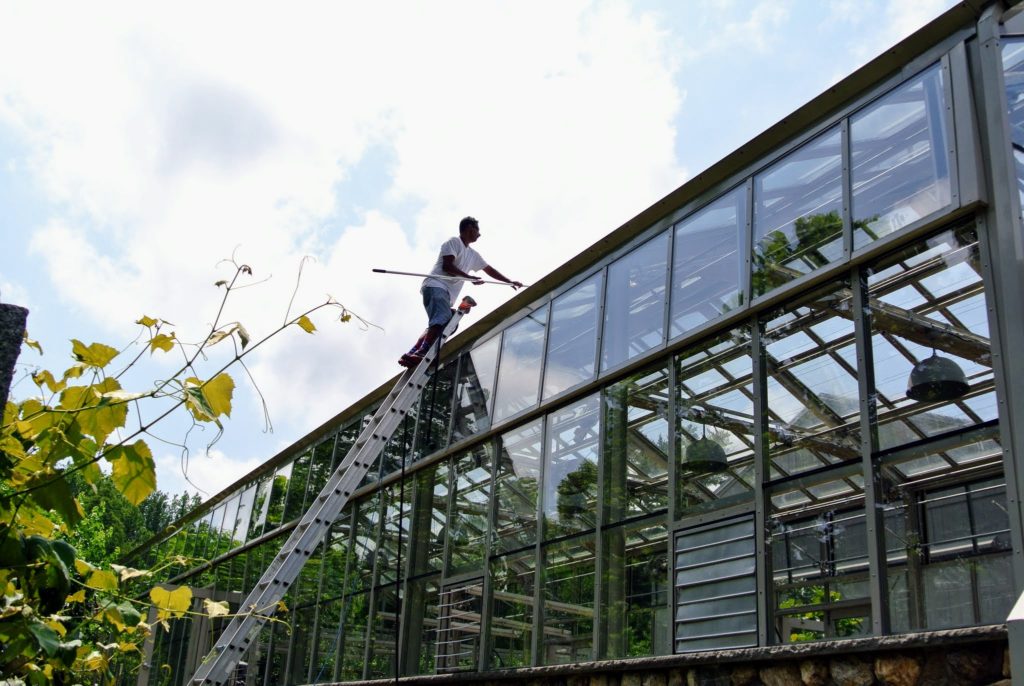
{"x":494,"y":273}
{"x":448,"y":265}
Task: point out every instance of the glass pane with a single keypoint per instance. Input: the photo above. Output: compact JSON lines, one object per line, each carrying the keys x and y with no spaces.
{"x":475,"y":388}
{"x":635,"y":590}
{"x":519,"y":377}
{"x":430,"y":517}
{"x":435,"y":411}
{"x":259,"y":508}
{"x":364,"y":542}
{"x":353,"y":637}
{"x":421,"y":625}
{"x":932,"y":355}
{"x":336,"y":556}
{"x":812,"y":388}
{"x":634,"y":308}
{"x":570,"y":469}
{"x":636,"y":446}
{"x":900,"y":158}
{"x":797,"y":222}
{"x":572,"y":344}
{"x":512,"y":577}
{"x":568,"y":609}
{"x":518,"y":480}
{"x":715,"y":423}
{"x":399,"y":448}
{"x":1013,"y":77}
{"x":819,"y":559}
{"x":325,"y":641}
{"x":384,"y":633}
{"x":706,"y":265}
{"x":947,"y":536}
{"x":458,"y":631}
{"x":467,"y":525}
{"x":295,"y":499}
{"x":394,"y":530}
{"x":278,"y":492}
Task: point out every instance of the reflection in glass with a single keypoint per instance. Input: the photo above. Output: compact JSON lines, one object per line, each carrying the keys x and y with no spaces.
{"x":797,"y":222}
{"x":518,"y":480}
{"x":394,"y":530}
{"x":519,"y":377}
{"x":430,"y":513}
{"x":324,"y":459}
{"x":570,"y":469}
{"x":635,"y":591}
{"x":716,"y":592}
{"x":467,"y":525}
{"x":327,"y":630}
{"x":297,"y":481}
{"x":715,"y":402}
{"x":421,"y":626}
{"x":926,"y":300}
{"x":900,"y":158}
{"x":706,"y":263}
{"x":634,"y":308}
{"x":636,"y":446}
{"x":278,"y":493}
{"x":435,"y":411}
{"x":819,"y":557}
{"x":259,"y":508}
{"x":382,"y":662}
{"x":353,"y":637}
{"x":365,"y":541}
{"x":336,"y":556}
{"x":1013,"y":77}
{"x":568,"y":608}
{"x":244,"y":514}
{"x":812,"y":388}
{"x":475,"y":388}
{"x":572,"y":343}
{"x":512,"y":579}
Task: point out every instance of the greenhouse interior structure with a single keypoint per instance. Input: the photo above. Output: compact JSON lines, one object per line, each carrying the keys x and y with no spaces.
{"x":767,"y":429}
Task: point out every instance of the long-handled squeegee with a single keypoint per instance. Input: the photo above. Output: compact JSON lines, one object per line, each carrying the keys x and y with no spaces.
{"x":438,"y":276}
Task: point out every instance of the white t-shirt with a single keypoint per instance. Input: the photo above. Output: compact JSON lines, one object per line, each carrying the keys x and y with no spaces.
{"x":466,"y":259}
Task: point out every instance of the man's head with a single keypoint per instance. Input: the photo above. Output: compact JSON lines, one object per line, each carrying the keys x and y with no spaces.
{"x":469,"y":230}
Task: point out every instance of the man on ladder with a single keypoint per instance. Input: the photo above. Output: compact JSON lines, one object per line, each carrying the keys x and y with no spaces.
{"x":441,"y":289}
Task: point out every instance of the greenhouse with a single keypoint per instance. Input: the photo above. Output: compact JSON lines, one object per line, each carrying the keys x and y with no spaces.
{"x":773,"y":411}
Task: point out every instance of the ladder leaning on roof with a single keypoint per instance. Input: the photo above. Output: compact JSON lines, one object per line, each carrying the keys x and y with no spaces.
{"x":254,"y":611}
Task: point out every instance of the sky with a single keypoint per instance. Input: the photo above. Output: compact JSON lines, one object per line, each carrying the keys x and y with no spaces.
{"x":142,"y":145}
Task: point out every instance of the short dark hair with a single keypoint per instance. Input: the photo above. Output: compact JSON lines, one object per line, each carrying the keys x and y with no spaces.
{"x":468,"y":222}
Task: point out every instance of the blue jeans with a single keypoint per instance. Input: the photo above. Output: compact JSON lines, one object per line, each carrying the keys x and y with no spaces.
{"x":437,"y":302}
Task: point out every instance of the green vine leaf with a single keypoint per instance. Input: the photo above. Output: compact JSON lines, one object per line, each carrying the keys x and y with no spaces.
{"x":46,"y":637}
{"x":98,"y":421}
{"x":102,"y":580}
{"x":94,"y":355}
{"x":134,"y":471}
{"x":55,"y":494}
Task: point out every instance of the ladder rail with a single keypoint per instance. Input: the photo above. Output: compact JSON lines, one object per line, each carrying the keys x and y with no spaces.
{"x":314,"y":524}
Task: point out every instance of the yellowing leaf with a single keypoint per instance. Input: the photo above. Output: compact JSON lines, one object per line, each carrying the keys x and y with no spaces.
{"x":218,"y":391}
{"x":146,"y":321}
{"x":171,"y":603}
{"x":45,"y":377}
{"x":243,"y":336}
{"x":93,"y":355}
{"x":30,"y":343}
{"x":305,"y":324}
{"x":83,"y":567}
{"x":58,"y":627}
{"x":113,"y":616}
{"x":32,"y":521}
{"x":134,"y":471}
{"x":74,"y":372}
{"x":122,"y":396}
{"x":161,"y":341}
{"x":95,"y":419}
{"x":103,"y":580}
{"x":214,"y":608}
{"x":78,"y":596}
{"x":95,"y":662}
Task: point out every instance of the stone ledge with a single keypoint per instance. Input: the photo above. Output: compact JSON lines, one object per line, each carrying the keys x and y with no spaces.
{"x":615,"y":672}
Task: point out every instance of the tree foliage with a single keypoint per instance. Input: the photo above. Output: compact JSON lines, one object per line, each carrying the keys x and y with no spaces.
{"x":78,"y":487}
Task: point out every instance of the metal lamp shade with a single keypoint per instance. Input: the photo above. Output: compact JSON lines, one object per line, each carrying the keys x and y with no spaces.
{"x":936,"y":379}
{"x":704,"y":456}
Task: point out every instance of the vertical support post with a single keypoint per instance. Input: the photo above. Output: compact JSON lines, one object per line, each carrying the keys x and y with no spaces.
{"x":873,"y":515}
{"x":1005,"y":239}
{"x":765,"y":601}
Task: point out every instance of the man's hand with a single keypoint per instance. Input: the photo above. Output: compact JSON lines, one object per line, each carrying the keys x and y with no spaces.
{"x":516,"y":285}
{"x":479,"y":282}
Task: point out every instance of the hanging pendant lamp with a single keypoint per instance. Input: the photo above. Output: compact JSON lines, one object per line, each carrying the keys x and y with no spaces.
{"x":936,"y":379}
{"x":705,"y":455}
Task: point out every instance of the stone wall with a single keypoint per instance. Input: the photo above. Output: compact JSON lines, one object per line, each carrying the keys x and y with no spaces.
{"x":966,"y":657}
{"x":12,"y":330}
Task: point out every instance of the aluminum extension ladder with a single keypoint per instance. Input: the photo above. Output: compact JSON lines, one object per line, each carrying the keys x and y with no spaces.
{"x":254,"y":611}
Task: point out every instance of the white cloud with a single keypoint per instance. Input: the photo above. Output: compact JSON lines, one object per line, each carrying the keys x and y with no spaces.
{"x":207,"y":473}
{"x":167,"y":141}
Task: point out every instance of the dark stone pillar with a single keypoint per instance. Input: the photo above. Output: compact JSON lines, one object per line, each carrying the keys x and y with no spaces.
{"x":12,"y":330}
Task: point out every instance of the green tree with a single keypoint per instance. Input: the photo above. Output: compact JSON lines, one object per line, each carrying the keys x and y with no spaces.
{"x":68,"y":614}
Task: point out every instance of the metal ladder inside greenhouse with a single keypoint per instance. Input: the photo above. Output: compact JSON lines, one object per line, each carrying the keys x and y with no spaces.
{"x":254,"y":611}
